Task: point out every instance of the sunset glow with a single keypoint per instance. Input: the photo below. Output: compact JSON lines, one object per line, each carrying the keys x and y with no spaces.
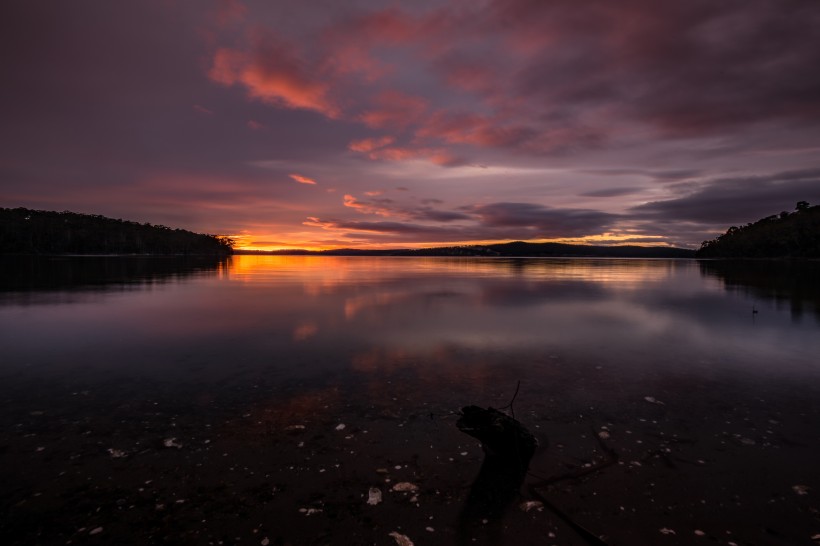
{"x":433,"y":123}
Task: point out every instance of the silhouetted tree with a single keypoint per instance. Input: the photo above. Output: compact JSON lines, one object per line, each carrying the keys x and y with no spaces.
{"x":795,"y":235}
{"x":25,"y":231}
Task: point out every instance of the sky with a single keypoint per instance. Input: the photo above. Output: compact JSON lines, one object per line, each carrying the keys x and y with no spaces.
{"x":379,"y":124}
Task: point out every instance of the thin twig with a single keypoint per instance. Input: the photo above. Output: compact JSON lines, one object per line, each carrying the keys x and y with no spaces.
{"x":510,"y":405}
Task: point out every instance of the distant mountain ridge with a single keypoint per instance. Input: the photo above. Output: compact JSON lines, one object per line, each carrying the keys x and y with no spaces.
{"x":785,"y":235}
{"x":516,"y":249}
{"x":26,"y":231}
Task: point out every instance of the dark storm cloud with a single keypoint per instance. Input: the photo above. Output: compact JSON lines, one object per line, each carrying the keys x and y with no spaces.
{"x":737,"y":200}
{"x":439,"y":215}
{"x":657,"y":175}
{"x":388,"y":208}
{"x":544,"y":221}
{"x":611,"y":192}
{"x":495,"y":221}
{"x":688,"y":68}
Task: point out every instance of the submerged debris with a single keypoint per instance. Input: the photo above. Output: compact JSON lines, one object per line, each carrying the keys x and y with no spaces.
{"x":340,"y":426}
{"x":310,"y":511}
{"x":667,"y":531}
{"x":401,"y":540}
{"x":117,"y":453}
{"x":531,"y":505}
{"x":801,"y":489}
{"x":653,"y":400}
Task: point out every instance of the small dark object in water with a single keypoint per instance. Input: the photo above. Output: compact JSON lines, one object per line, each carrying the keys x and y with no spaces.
{"x":501,"y":436}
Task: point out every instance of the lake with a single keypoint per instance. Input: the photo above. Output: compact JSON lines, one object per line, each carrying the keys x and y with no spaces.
{"x":266,"y":399}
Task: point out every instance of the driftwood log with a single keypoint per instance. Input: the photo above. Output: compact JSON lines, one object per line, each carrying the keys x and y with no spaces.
{"x":508,"y":448}
{"x":502,"y":437}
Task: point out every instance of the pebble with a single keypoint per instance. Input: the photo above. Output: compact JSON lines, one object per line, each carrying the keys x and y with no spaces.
{"x":171,"y":442}
{"x":374,"y":496}
{"x":801,"y":489}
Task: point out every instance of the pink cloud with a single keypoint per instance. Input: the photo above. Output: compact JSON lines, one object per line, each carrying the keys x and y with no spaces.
{"x":472,"y":129}
{"x":470,"y":76}
{"x":302,"y":179}
{"x":395,"y":110}
{"x":255,"y":125}
{"x":389,"y":26}
{"x":230,"y":11}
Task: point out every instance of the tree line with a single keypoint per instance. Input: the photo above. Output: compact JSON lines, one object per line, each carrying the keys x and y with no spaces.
{"x":786,"y":235}
{"x":26,"y":231}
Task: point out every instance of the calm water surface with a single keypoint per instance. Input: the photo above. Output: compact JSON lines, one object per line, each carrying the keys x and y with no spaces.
{"x":703,"y":377}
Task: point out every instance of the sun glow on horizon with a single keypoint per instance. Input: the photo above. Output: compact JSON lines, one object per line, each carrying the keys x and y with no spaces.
{"x":247,"y":242}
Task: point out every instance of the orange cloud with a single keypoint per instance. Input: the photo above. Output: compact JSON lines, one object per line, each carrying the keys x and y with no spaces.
{"x":368,"y":208}
{"x":434,"y":155}
{"x":274,"y":74}
{"x":302,"y":179}
{"x":369,"y":144}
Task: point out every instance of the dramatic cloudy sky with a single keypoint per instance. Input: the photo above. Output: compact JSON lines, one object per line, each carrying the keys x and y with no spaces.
{"x":365,"y":123}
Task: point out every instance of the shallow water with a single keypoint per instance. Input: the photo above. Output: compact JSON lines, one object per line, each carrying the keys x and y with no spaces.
{"x":702,"y":377}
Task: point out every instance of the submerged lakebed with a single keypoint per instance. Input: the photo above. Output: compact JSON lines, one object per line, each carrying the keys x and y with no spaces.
{"x":313,"y":400}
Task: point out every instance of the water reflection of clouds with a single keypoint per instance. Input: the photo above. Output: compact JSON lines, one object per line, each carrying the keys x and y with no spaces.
{"x":310,"y":314}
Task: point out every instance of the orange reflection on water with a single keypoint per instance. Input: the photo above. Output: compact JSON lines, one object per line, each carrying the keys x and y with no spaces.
{"x":305,"y":330}
{"x":318,"y":272}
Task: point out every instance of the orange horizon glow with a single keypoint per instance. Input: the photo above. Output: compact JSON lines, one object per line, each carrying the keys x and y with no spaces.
{"x":245,"y":242}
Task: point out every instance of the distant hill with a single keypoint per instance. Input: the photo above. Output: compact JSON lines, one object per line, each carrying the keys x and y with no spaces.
{"x":515,"y":249}
{"x":785,"y":235}
{"x":25,"y":231}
